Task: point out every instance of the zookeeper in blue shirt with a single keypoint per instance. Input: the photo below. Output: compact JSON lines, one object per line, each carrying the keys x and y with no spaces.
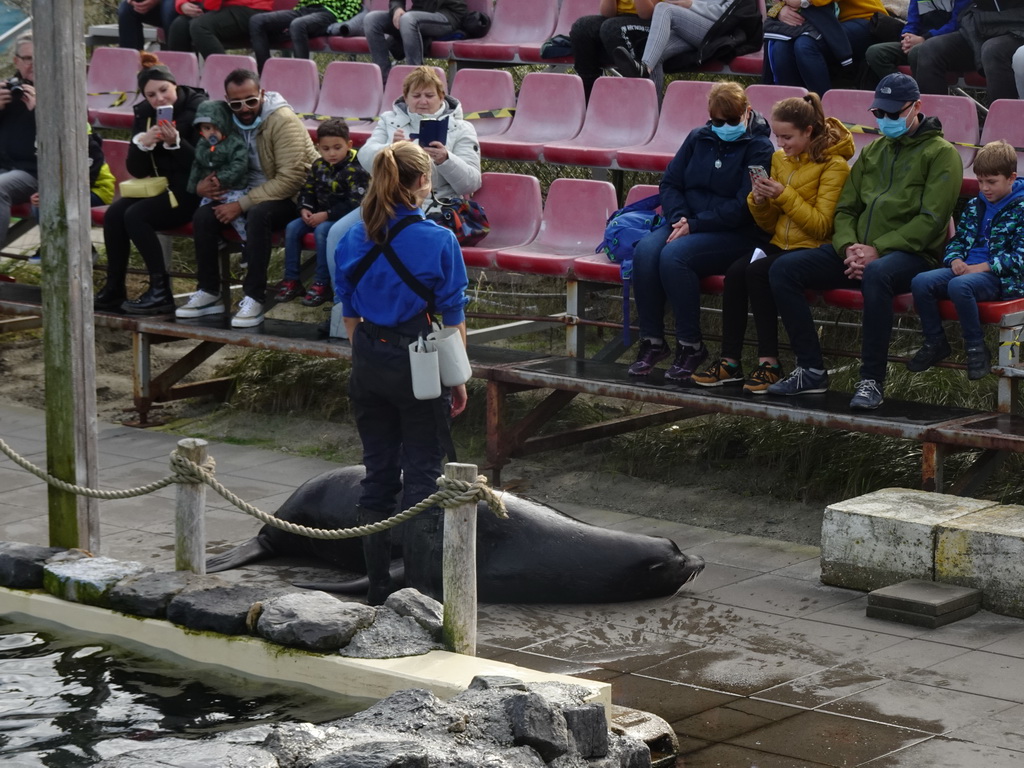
{"x":401,"y":436}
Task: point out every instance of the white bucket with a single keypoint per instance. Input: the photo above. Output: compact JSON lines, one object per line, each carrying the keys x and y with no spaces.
{"x":426,"y":376}
{"x":453,"y":359}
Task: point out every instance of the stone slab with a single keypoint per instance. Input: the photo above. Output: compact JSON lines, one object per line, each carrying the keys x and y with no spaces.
{"x":920,"y":619}
{"x":929,"y":598}
{"x":887,"y":536}
{"x":985,"y":550}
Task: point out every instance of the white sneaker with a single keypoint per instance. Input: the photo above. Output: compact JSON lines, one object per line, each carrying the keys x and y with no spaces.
{"x":199,"y":304}
{"x":250,"y":313}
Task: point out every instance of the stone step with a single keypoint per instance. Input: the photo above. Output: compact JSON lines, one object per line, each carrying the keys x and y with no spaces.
{"x":923,"y":603}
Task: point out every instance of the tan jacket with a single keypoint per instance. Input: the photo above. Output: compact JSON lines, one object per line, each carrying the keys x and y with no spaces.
{"x":802,"y":215}
{"x":286,"y":153}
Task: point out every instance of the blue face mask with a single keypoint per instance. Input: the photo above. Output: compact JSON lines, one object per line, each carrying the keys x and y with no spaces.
{"x":729,"y":132}
{"x":251,"y":126}
{"x":890,"y":128}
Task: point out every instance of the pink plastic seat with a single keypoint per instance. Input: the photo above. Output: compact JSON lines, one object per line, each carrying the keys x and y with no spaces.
{"x":851,"y":107}
{"x":112,"y":78}
{"x":684,"y":108}
{"x":623,"y":112}
{"x":568,"y":13}
{"x":990,"y":312}
{"x":393,"y":87}
{"x":1005,"y":121}
{"x":479,"y":90}
{"x":513,"y":24}
{"x":513,"y":206}
{"x":355,"y":44}
{"x":763,"y":97}
{"x":115,"y":153}
{"x":550,"y":108}
{"x":852,"y":298}
{"x":572,"y":225}
{"x":298,"y":80}
{"x":184,"y":65}
{"x":217,"y":66}
{"x":959,"y":117}
{"x":350,"y":89}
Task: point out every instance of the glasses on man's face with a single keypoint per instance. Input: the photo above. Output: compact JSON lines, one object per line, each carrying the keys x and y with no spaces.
{"x":23,"y":58}
{"x":718,"y":122}
{"x":880,"y":113}
{"x":237,"y":105}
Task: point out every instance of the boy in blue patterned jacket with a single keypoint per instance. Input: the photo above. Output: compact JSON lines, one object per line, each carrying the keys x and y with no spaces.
{"x":335,"y":186}
{"x":984,"y":262}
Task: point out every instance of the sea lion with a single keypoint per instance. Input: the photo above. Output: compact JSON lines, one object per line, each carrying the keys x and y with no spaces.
{"x":538,"y":555}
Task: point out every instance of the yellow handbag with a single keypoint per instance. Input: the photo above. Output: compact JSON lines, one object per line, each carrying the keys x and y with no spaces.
{"x":151,"y":186}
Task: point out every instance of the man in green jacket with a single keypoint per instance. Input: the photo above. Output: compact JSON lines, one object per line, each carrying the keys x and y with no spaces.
{"x":890,"y":224}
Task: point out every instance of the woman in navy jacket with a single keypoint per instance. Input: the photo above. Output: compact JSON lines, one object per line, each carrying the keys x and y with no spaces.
{"x":708,"y":226}
{"x":384,"y":313}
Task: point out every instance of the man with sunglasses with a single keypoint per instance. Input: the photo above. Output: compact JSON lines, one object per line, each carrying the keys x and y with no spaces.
{"x":280,"y":155}
{"x":890,"y":224}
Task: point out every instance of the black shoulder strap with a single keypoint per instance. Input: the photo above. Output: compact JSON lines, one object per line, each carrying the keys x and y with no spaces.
{"x":385,"y":248}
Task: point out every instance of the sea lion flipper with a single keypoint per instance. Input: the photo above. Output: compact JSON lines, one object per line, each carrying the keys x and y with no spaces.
{"x":357,"y":586}
{"x":250,"y":551}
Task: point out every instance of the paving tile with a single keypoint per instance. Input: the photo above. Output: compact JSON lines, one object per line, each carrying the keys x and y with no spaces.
{"x":292,"y":471}
{"x":139,"y":546}
{"x":809,"y":570}
{"x":779,"y":594}
{"x":853,"y":614}
{"x":730,"y":756}
{"x":922,"y":707}
{"x":687,"y":537}
{"x":521,"y":626}
{"x":1012,"y":645}
{"x":606,"y":518}
{"x":560,"y":666}
{"x":13,"y":477}
{"x":719,"y":724}
{"x":820,"y":688}
{"x":977,"y":631}
{"x":139,"y":444}
{"x":716,"y":575}
{"x":615,"y":648}
{"x":829,"y":739}
{"x":1002,"y":730}
{"x":755,"y":552}
{"x":988,"y":674}
{"x":940,"y":751}
{"x":897,"y":661}
{"x":670,"y":701}
{"x":827,"y":644}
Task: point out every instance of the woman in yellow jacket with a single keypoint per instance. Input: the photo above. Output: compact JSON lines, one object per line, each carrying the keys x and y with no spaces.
{"x":797,"y":203}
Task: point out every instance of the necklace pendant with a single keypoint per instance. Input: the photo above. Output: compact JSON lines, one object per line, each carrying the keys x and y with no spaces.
{"x":718,"y":163}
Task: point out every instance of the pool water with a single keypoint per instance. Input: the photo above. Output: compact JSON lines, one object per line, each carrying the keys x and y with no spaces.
{"x":73,"y":701}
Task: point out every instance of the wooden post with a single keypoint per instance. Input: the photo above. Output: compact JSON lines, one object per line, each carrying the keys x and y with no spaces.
{"x":459,"y":569}
{"x":190,"y":515}
{"x":65,"y":221}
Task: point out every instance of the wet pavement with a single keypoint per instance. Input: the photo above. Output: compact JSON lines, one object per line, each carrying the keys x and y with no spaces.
{"x":756,"y":663}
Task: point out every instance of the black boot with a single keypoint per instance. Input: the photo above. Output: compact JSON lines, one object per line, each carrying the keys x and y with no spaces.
{"x":155,"y":301}
{"x":423,"y":552}
{"x":111,"y":296}
{"x":377,"y":554}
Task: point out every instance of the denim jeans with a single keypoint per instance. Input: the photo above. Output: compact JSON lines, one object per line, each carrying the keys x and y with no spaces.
{"x":293,"y":235}
{"x":805,"y":61}
{"x":413,"y":27}
{"x":964,"y":291}
{"x":296,"y":25}
{"x":671,"y":272}
{"x":822,"y":268}
{"x":129,"y":22}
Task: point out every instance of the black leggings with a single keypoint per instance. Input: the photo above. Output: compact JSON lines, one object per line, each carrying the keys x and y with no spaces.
{"x":138,"y":220}
{"x":747,"y":282}
{"x":595,"y":37}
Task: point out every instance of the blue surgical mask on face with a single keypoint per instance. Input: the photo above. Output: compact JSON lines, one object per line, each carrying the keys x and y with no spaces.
{"x":251,"y":126}
{"x":729,"y":132}
{"x":890,"y":128}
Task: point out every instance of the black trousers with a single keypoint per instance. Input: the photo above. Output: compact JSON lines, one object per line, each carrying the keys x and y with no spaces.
{"x":746,"y":282}
{"x":595,"y":37}
{"x":137,"y":220}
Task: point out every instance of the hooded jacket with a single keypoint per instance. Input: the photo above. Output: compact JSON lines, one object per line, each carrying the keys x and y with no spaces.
{"x":175,"y":164}
{"x":228,"y":158}
{"x":802,"y":215}
{"x":459,"y":175}
{"x":901,"y":193}
{"x":708,"y":182}
{"x":1005,"y":239}
{"x":336,"y":189}
{"x":284,"y":149}
{"x":18,"y":138}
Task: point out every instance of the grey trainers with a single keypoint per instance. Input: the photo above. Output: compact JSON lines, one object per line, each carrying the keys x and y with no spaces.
{"x":249,"y":314}
{"x":800,"y":382}
{"x":199,"y":304}
{"x":867,"y":395}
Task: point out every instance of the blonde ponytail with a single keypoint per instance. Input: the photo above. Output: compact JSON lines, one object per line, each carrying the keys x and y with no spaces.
{"x":394,"y":181}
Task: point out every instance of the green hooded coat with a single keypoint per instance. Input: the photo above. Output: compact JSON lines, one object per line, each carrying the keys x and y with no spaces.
{"x":228,"y":158}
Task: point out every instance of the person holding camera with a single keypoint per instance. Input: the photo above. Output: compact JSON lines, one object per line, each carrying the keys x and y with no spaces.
{"x":18,"y":165}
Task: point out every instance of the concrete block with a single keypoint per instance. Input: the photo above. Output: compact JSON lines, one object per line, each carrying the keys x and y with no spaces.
{"x":985,"y":550}
{"x":886,"y":537}
{"x":929,"y":598}
{"x":920,"y":619}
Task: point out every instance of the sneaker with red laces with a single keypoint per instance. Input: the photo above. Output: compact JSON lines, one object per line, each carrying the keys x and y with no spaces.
{"x":287,"y":290}
{"x":648,"y":356}
{"x":316,"y":295}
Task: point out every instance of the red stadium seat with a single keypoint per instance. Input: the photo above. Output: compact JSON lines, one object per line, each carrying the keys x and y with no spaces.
{"x":959,"y":117}
{"x":112,"y":78}
{"x":515,"y":22}
{"x":393,"y":88}
{"x":568,"y":12}
{"x":763,"y":97}
{"x":298,"y":80}
{"x":513,"y":206}
{"x":551,"y":107}
{"x":350,"y":89}
{"x":184,"y":65}
{"x":852,"y":298}
{"x":596,"y":267}
{"x":479,"y":90}
{"x":852,"y":108}
{"x":572,"y":225}
{"x":116,"y":155}
{"x":989,"y":311}
{"x":684,"y":108}
{"x":1005,"y":121}
{"x":217,"y":66}
{"x":623,"y":112}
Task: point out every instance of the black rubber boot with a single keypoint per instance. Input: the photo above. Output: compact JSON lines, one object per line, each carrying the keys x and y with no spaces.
{"x":423,"y":552}
{"x":155,"y":301}
{"x":111,"y":296}
{"x":377,"y":555}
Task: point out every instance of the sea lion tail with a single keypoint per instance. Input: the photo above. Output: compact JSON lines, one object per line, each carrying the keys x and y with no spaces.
{"x":251,"y":551}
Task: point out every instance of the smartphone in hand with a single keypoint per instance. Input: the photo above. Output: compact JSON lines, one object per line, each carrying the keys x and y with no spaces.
{"x":757,"y":171}
{"x":165,"y":114}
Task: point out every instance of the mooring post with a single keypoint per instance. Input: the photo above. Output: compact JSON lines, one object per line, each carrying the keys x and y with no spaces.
{"x":190,"y":514}
{"x":459,"y":569}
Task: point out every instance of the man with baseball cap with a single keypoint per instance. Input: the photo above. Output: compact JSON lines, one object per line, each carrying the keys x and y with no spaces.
{"x":890,"y":224}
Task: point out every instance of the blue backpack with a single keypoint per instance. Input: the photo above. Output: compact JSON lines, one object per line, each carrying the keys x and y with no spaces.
{"x":624,"y":229}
